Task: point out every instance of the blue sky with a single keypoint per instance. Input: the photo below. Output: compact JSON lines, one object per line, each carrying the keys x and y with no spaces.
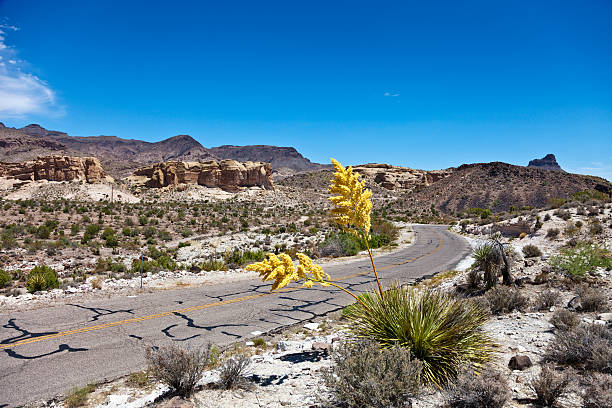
{"x":421,"y":84}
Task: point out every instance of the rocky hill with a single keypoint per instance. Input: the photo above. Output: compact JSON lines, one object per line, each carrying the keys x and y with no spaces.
{"x":56,"y":168}
{"x":228,"y":175}
{"x":498,"y":186}
{"x":122,"y":156}
{"x":548,"y":162}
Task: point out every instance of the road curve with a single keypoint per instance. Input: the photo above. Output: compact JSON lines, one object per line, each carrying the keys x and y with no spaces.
{"x":47,"y":352}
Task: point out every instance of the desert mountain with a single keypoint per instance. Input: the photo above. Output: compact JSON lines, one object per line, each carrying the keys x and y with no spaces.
{"x":284,"y":160}
{"x":120,"y":157}
{"x":498,"y":186}
{"x":548,"y":162}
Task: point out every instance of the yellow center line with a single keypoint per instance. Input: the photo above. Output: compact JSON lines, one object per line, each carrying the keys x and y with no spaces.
{"x":205,"y":306}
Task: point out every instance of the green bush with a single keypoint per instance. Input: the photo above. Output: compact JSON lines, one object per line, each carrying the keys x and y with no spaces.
{"x":584,"y":258}
{"x":366,"y":376}
{"x":5,"y":278}
{"x":42,"y":277}
{"x":441,"y":331}
{"x":239,"y":258}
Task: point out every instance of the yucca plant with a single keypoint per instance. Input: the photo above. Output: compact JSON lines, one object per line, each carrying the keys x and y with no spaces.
{"x":441,"y":331}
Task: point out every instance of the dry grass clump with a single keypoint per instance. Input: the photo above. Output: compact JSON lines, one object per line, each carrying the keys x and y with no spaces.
{"x":233,"y":371}
{"x":489,"y":389}
{"x":549,"y":386}
{"x":598,"y":392}
{"x":552,"y":233}
{"x":563,"y":319}
{"x":584,"y":346}
{"x":178,"y":368}
{"x":547,"y":299}
{"x":366,"y":376}
{"x":592,"y":299}
{"x":531,"y":251}
{"x":503,"y":299}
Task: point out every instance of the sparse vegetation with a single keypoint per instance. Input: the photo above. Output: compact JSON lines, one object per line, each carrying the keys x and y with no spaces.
{"x":178,"y":368}
{"x":549,"y":386}
{"x":489,"y":389}
{"x":503,"y":299}
{"x":366,"y":376}
{"x":233,"y":371}
{"x":531,"y":251}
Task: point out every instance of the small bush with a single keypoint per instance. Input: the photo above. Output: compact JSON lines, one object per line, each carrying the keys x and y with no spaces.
{"x":42,"y":277}
{"x":259,"y":342}
{"x":341,"y":244}
{"x":138,"y":379}
{"x":489,"y":389}
{"x":596,"y":228}
{"x":552,"y":233}
{"x":549,"y":386}
{"x":474,"y":279}
{"x":5,"y":279}
{"x":547,"y":299}
{"x":592,"y":299}
{"x":78,"y":396}
{"x":178,"y":368}
{"x":503,"y":299}
{"x":563,"y":319}
{"x":233,"y":371}
{"x":366,"y":376}
{"x":598,"y":392}
{"x":442,"y":331}
{"x":531,"y":251}
{"x":586,"y":346}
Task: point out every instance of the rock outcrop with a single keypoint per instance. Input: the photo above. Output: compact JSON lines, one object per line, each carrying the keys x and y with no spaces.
{"x":57,"y":168}
{"x":229,"y":175}
{"x":548,"y":162}
{"x":404,"y":178}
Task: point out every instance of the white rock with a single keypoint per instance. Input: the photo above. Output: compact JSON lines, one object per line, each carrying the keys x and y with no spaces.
{"x":311,"y":326}
{"x":249,"y":344}
{"x":256,"y":333}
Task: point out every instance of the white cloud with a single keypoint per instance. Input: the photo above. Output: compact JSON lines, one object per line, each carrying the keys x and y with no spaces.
{"x":391,"y":94}
{"x":22,"y":93}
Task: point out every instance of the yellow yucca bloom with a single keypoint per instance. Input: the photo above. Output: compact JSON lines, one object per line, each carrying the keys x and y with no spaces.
{"x":352,"y":201}
{"x":281,"y":270}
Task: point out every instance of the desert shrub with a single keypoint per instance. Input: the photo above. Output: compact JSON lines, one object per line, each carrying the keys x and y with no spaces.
{"x":366,"y":376}
{"x":473,"y":279}
{"x":586,"y":346}
{"x":503,"y":299}
{"x":578,"y":261}
{"x":489,"y":389}
{"x":239,"y":258}
{"x":598,"y":392}
{"x":213,"y":265}
{"x":178,"y":368}
{"x":340,"y":244}
{"x":440,"y":330}
{"x":42,"y":277}
{"x":233,"y":371}
{"x":78,"y":396}
{"x":531,"y":251}
{"x":552,"y":233}
{"x":592,"y":299}
{"x":547,"y":217}
{"x":488,"y":258}
{"x":483,"y":213}
{"x":596,"y":228}
{"x":563,"y":319}
{"x":549,"y":386}
{"x":5,"y":278}
{"x":547,"y":299}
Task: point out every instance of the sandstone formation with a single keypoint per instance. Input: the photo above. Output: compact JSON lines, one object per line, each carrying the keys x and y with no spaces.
{"x":395,"y":177}
{"x":548,"y":162}
{"x":57,"y":168}
{"x":229,"y":175}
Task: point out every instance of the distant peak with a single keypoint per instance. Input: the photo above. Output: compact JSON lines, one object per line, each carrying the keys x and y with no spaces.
{"x":548,"y":162}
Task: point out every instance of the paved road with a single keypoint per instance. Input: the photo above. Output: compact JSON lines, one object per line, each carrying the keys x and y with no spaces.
{"x":47,"y":352}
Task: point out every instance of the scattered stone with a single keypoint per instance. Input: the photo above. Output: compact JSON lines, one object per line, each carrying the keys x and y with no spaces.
{"x":177,"y":402}
{"x":520,"y":362}
{"x":257,"y":333}
{"x":311,"y":326}
{"x":319,"y":346}
{"x":249,"y":343}
{"x":607,"y":317}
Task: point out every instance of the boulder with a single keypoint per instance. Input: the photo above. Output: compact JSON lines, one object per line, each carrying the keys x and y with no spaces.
{"x":399,"y":178}
{"x":520,"y":362}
